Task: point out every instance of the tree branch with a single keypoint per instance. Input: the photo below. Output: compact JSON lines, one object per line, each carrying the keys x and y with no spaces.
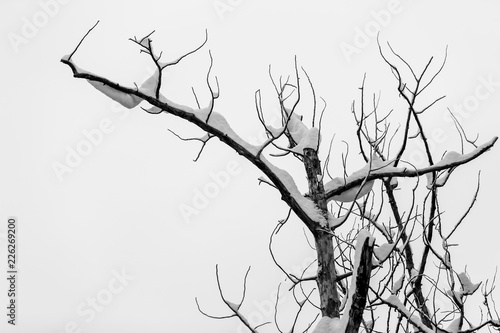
{"x":403,"y":172}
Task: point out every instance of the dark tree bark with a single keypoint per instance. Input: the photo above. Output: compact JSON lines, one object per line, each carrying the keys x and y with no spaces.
{"x":327,"y":277}
{"x":362,"y":287}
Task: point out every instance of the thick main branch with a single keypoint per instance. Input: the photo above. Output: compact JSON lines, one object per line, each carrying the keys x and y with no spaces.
{"x":181,"y":112}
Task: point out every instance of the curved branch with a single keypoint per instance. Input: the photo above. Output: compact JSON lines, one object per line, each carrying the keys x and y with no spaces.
{"x":403,"y":172}
{"x":212,"y":127}
{"x":233,"y":307}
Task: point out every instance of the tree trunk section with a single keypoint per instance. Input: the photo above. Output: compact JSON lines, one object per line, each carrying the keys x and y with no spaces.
{"x":358,"y":301}
{"x":327,"y":276}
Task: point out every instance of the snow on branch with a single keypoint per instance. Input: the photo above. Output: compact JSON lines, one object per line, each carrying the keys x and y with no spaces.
{"x":357,"y":192}
{"x":467,"y":288}
{"x":306,"y":204}
{"x":127,"y":100}
{"x":334,"y":188}
{"x":310,"y":139}
{"x":206,"y":119}
{"x":394,"y":302}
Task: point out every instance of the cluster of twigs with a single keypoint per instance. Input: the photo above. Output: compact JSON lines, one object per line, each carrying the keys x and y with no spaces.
{"x":397,"y":288}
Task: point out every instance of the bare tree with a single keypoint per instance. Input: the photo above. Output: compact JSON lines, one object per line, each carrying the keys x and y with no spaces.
{"x":383,"y":253}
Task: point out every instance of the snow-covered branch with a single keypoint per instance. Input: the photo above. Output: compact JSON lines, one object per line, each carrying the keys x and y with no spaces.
{"x":452,"y":159}
{"x":208,"y":120}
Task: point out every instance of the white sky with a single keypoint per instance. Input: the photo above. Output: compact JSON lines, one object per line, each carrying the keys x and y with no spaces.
{"x":119,"y":209}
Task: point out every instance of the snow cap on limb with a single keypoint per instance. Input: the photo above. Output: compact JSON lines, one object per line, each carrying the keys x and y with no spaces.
{"x":323,"y":325}
{"x":383,"y":251}
{"x":468,"y":288}
{"x":310,"y":139}
{"x":398,"y":285}
{"x":350,"y":194}
{"x":149,"y":86}
{"x":127,"y":100}
{"x":306,"y":204}
{"x":295,"y":126}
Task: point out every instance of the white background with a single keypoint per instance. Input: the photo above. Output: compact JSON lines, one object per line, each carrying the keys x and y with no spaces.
{"x":118,"y":210}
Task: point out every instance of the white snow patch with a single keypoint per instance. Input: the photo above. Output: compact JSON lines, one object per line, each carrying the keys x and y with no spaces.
{"x":145,"y":42}
{"x":148,"y":87}
{"x":154,"y":110}
{"x":264,"y":179}
{"x":295,"y":126}
{"x":468,"y":288}
{"x":455,"y":157}
{"x":334,"y":222}
{"x":414,"y":273}
{"x":335,"y":325}
{"x":184,"y":108}
{"x":275,"y":132}
{"x":233,"y":306}
{"x":149,"y":90}
{"x":450,"y":157}
{"x":395,"y":302}
{"x":398,"y":285}
{"x":377,"y":167}
{"x":127,"y":100}
{"x":78,"y":69}
{"x":328,"y":325}
{"x":323,"y":325}
{"x":66,"y":57}
{"x":383,"y":251}
{"x":429,"y":180}
{"x":454,"y":326}
{"x":455,"y":295}
{"x":350,"y":195}
{"x":441,"y":181}
{"x":218,"y":121}
{"x":307,"y":205}
{"x":310,"y":139}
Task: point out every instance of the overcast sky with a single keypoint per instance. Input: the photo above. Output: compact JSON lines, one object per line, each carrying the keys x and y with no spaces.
{"x":99,"y":190}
